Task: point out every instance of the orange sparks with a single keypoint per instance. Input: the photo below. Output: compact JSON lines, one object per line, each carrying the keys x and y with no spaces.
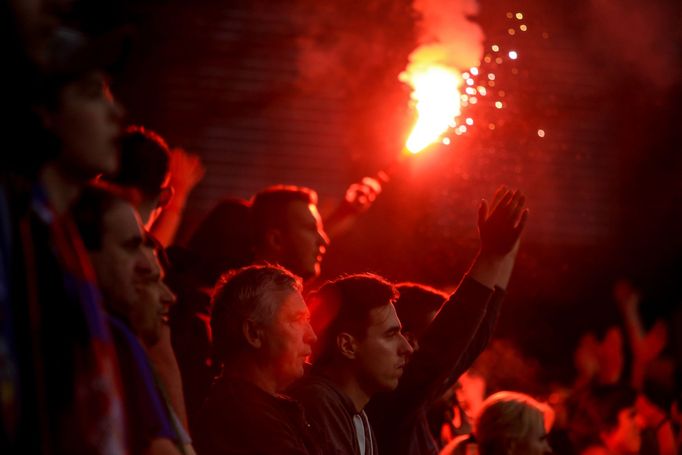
{"x":437,"y":100}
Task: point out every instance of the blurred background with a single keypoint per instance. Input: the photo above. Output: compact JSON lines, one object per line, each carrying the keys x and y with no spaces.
{"x":584,"y":116}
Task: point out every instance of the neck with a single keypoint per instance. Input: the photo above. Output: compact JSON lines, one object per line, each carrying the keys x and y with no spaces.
{"x":348,"y":383}
{"x":249,"y":371}
{"x":61,"y":189}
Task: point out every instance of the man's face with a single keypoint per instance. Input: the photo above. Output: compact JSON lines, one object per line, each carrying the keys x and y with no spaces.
{"x":121,"y":264}
{"x":382,"y":354}
{"x":626,"y":437}
{"x":304,"y":241}
{"x":288,"y":339}
{"x":154,"y":301}
{"x":87,"y":124}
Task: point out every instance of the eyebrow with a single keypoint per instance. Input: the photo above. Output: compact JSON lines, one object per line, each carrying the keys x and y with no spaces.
{"x":392,"y":330}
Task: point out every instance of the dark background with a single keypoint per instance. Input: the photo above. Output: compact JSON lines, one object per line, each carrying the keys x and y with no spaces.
{"x":306,"y":92}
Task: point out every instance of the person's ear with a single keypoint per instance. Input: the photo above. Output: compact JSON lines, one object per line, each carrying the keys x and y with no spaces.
{"x":346,"y":344}
{"x":253,"y":333}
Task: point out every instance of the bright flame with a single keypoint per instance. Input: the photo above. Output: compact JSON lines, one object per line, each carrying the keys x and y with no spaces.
{"x":437,"y":98}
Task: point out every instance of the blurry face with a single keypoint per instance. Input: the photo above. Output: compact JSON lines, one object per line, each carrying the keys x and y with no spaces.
{"x":304,"y":241}
{"x":535,"y":442}
{"x":381,"y":356}
{"x":470,"y":393}
{"x":87,"y":124}
{"x":154,"y":301}
{"x":121,"y":264}
{"x":288,"y":340}
{"x":36,"y":21}
{"x":626,"y":438}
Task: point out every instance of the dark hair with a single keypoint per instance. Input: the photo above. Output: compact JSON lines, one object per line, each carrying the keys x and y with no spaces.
{"x":344,"y":305}
{"x":223,"y":239}
{"x":249,"y":293}
{"x":145,"y":160}
{"x":88,"y":212}
{"x":269,"y":207}
{"x":416,"y":301}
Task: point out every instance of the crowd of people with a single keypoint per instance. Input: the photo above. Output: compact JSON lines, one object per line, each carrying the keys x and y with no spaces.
{"x":114,"y":339}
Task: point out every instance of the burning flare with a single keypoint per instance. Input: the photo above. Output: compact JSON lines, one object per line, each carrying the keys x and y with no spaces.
{"x":437,"y":100}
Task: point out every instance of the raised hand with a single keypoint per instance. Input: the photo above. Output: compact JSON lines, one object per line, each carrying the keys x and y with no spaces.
{"x":186,"y":170}
{"x":360,"y":195}
{"x":501,"y":224}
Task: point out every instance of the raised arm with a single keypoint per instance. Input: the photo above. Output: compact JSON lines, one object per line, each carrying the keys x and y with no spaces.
{"x":445,"y":347}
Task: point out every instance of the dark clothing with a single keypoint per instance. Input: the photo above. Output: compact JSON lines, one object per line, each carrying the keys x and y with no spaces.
{"x":190,"y":322}
{"x":149,"y":414}
{"x":331,"y":413}
{"x":240,"y":418}
{"x":451,"y":344}
{"x":60,"y":381}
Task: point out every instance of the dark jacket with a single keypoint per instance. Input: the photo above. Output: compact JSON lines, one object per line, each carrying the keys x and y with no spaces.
{"x":331,"y":413}
{"x":240,"y":418}
{"x":453,"y":341}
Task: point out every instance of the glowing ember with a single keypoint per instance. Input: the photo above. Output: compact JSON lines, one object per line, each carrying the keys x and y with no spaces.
{"x":437,"y":100}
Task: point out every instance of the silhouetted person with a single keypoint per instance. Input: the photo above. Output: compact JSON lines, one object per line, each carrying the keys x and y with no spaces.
{"x":164,"y":178}
{"x":65,"y":361}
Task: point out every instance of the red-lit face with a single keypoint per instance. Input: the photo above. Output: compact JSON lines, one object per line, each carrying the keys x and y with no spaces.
{"x":87,"y":124}
{"x":626,"y":437}
{"x":121,"y":262}
{"x":303,"y":240}
{"x":380,"y":356}
{"x":288,"y":340}
{"x":154,"y":301}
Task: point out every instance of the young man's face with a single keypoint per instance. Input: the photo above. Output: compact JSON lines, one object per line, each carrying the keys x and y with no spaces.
{"x":382,"y":354}
{"x":304,"y":241}
{"x":154,"y":301}
{"x":288,"y":339}
{"x":121,"y":263}
{"x":626,"y":437}
{"x":87,"y":124}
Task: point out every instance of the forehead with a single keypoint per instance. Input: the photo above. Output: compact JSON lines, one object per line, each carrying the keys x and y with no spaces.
{"x":121,"y":221}
{"x":382,"y":318}
{"x":301,"y":212}
{"x":291,"y":303}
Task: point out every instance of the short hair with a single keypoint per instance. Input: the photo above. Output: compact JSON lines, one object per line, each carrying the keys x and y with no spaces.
{"x":507,"y":416}
{"x":415,"y":302}
{"x":90,"y":208}
{"x":145,"y":161}
{"x":269,"y":207}
{"x":249,"y":293}
{"x":344,"y":305}
{"x":224,"y":236}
